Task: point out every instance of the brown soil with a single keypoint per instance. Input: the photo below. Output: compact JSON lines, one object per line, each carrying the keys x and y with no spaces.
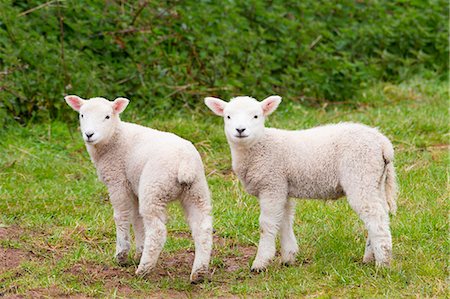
{"x":229,"y":257}
{"x":10,"y":258}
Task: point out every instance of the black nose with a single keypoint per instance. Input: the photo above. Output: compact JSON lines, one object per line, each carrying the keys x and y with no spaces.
{"x":89,"y":135}
{"x":240,"y":131}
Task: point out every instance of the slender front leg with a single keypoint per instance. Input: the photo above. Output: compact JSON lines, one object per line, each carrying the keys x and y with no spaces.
{"x":289,"y":247}
{"x":272,"y":211}
{"x":122,"y":205}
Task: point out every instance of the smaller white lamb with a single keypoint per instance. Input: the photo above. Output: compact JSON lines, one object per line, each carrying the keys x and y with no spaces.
{"x":325,"y":162}
{"x":145,"y":169}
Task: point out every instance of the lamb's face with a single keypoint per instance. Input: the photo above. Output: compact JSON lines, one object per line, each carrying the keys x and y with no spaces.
{"x":98,"y":117}
{"x":244,"y":117}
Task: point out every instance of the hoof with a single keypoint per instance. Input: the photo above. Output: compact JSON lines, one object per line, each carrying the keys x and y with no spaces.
{"x":143,"y":271}
{"x":368,"y":259}
{"x":260,"y":265}
{"x":122,"y":258}
{"x":258,"y":269}
{"x":289,"y":259}
{"x":199,"y":276}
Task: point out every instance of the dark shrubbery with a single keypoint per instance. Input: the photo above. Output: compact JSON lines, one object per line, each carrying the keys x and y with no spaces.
{"x":169,"y":54}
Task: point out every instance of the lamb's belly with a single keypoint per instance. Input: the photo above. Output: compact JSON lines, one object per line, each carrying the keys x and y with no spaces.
{"x":134,"y":172}
{"x":311,"y":190}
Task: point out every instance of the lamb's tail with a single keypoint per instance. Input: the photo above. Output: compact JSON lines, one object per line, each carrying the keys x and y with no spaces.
{"x":187,"y":170}
{"x":390,"y":177}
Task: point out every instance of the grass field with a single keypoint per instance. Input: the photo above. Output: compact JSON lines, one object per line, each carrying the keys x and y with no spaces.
{"x":57,"y":231}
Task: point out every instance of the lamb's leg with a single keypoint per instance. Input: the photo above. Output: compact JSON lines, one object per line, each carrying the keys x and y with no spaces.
{"x":139,"y":233}
{"x":154,"y":218}
{"x":369,"y":255}
{"x":289,"y":247}
{"x":122,"y":205}
{"x":374,"y":213}
{"x":272,"y":211}
{"x":197,"y":207}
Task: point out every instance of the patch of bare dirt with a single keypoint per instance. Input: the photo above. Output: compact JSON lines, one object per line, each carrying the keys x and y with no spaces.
{"x":11,"y":258}
{"x":52,"y":292}
{"x":231,"y":256}
{"x":233,"y":263}
{"x":94,"y":272}
{"x":228,"y":257}
{"x":10,"y":232}
{"x":443,"y":147}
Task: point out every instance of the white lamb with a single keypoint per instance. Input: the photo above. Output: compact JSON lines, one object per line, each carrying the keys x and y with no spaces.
{"x":326,"y":162}
{"x":145,"y":169}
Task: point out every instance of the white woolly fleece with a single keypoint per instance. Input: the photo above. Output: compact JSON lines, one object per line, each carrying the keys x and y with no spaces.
{"x":325,"y":162}
{"x":144,"y":169}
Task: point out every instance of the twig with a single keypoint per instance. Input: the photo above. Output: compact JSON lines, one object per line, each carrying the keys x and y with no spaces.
{"x":36,"y":8}
{"x":25,"y":151}
{"x":314,"y":43}
{"x":13,"y":92}
{"x":63,"y":61}
{"x":179,"y":89}
{"x":122,"y":32}
{"x":141,"y":8}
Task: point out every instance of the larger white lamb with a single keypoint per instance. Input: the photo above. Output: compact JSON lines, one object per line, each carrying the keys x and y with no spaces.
{"x":145,"y":169}
{"x":325,"y":162}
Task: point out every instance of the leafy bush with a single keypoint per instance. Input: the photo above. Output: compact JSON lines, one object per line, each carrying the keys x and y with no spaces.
{"x":167,"y":54}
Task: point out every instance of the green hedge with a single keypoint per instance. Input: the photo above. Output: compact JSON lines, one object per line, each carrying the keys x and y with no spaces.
{"x":168,"y":54}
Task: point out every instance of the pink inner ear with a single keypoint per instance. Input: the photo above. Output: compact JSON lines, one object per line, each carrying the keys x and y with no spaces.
{"x":267,"y":107}
{"x":119,"y":106}
{"x":74,"y":102}
{"x":218,"y":108}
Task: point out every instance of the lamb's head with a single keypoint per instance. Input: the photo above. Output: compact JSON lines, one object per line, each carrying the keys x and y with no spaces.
{"x":244,"y":117}
{"x":98,"y":117}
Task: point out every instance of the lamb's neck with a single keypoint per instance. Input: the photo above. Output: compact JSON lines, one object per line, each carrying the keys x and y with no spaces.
{"x":240,"y":152}
{"x":98,"y":151}
{"x":240,"y":155}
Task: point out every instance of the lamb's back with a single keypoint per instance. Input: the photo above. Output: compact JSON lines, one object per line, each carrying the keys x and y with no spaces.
{"x":157,"y":150}
{"x":308,"y":161}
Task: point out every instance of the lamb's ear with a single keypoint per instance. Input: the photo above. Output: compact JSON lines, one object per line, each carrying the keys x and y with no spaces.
{"x":120,"y":104}
{"x":270,"y":104}
{"x":216,"y":105}
{"x":74,"y":101}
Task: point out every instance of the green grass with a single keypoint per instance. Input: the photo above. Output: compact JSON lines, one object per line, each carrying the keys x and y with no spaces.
{"x":57,"y":216}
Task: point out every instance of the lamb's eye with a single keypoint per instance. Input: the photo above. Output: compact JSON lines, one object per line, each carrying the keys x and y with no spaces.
{"x":82,"y":115}
{"x":228,"y":117}
{"x":107,"y":117}
{"x":256,"y":116}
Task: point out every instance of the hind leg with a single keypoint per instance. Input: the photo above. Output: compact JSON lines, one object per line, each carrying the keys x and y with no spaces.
{"x":155,"y":192}
{"x":139,"y":233}
{"x":289,"y":247}
{"x":369,"y":255}
{"x":373,"y":211}
{"x":154,"y":219}
{"x":197,"y":208}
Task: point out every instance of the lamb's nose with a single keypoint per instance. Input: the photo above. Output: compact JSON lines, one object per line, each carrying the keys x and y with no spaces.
{"x":89,"y":134}
{"x":240,"y":131}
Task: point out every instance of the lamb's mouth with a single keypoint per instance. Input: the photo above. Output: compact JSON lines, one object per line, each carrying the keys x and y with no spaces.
{"x":241,"y":136}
